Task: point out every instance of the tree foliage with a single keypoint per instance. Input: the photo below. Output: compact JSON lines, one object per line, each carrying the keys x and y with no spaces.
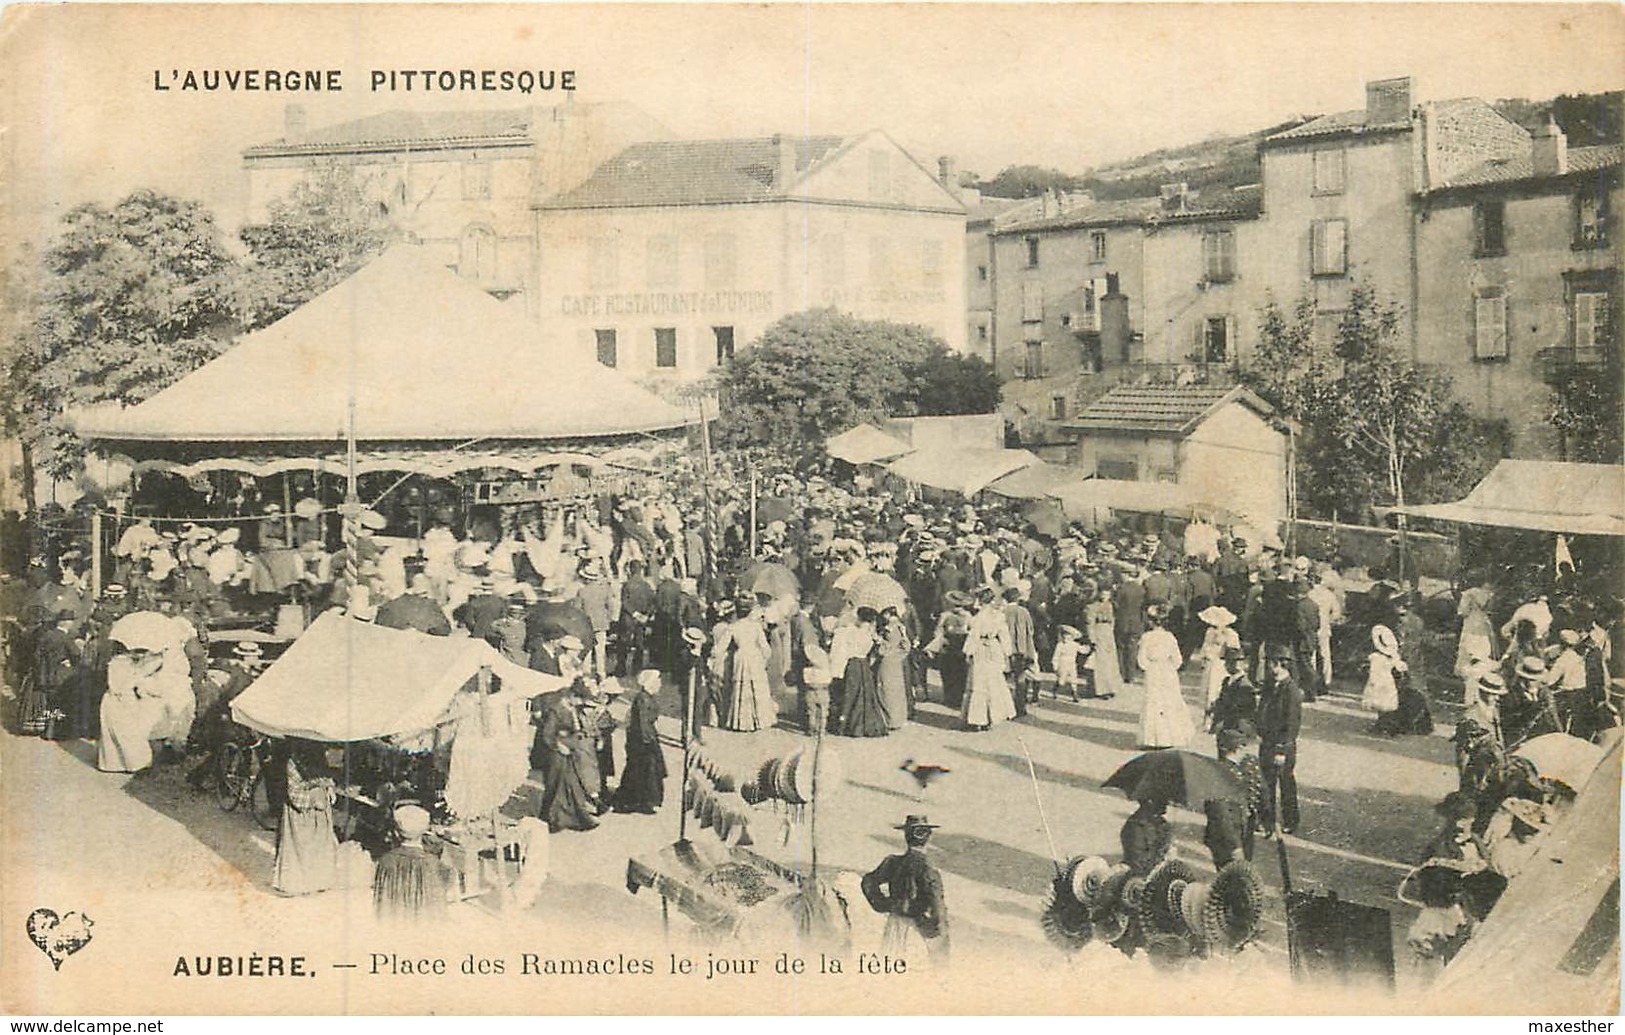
{"x":1377,"y":428}
{"x":321,"y":232}
{"x":1589,"y":413}
{"x":816,"y":373}
{"x":131,"y":299}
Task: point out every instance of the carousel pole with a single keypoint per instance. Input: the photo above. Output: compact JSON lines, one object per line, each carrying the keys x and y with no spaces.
{"x":350,"y":510}
{"x":753,"y":509}
{"x":710,"y":509}
{"x":688,"y":739}
{"x":96,"y":553}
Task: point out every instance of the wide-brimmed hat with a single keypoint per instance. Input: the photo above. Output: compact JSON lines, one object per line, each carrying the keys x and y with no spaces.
{"x":1217,"y":616}
{"x":373,"y":521}
{"x":1570,"y":637}
{"x":592,"y":571}
{"x":957,"y":598}
{"x":229,"y":536}
{"x":1492,"y":683}
{"x":307,"y":508}
{"x":915,"y":822}
{"x":1385,"y":641}
{"x":1069,"y":630}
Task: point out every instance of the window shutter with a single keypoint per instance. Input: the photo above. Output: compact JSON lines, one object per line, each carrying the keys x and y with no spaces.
{"x":1490,"y":327}
{"x":1032,"y":302}
{"x":1587,"y":316}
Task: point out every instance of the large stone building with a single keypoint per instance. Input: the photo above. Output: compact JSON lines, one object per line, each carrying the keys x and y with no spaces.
{"x":459,"y":182}
{"x":675,"y":253}
{"x":1518,"y":282}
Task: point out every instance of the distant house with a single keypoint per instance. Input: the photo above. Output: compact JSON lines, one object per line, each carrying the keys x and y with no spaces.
{"x":1225,"y":446}
{"x":460,"y":183}
{"x":675,"y":253}
{"x":1519,"y":281}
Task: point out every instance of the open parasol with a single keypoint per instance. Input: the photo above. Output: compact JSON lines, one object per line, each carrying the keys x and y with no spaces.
{"x":1180,"y":776}
{"x":146,"y":630}
{"x":1561,"y":757}
{"x":876,"y":591}
{"x":771,"y":579}
{"x":552,"y":618}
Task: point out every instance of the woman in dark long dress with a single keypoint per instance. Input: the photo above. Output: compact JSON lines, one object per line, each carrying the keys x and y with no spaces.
{"x":569,"y":766}
{"x":643,"y":783}
{"x":863,"y":709}
{"x":410,"y":882}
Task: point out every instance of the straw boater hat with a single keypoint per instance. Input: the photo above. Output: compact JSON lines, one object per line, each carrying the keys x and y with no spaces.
{"x":1385,"y":641}
{"x":373,"y":521}
{"x":1533,"y":666}
{"x":915,"y":822}
{"x":248,"y":650}
{"x":1491,"y":683}
{"x":412,"y":820}
{"x":1217,"y":616}
{"x":307,"y":508}
{"x":113,"y":589}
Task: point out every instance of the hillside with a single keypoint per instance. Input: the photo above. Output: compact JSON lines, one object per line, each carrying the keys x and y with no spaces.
{"x":1231,"y":161}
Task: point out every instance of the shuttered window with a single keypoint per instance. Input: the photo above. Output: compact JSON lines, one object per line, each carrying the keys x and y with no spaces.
{"x":665,"y":346}
{"x":1032,"y":302}
{"x":1219,"y":255}
{"x":1490,"y":325}
{"x":1329,"y":247}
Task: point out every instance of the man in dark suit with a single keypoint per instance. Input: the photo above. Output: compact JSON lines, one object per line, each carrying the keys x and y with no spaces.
{"x":637,"y":617}
{"x":1130,"y":623}
{"x":908,"y":890}
{"x":1280,"y":714}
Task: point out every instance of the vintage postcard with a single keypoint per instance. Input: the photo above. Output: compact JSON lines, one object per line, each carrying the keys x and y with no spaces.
{"x":808,"y":508}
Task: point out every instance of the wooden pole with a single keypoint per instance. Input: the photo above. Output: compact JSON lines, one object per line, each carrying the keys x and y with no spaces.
{"x":753,"y":509}
{"x":96,"y":554}
{"x":688,"y":739}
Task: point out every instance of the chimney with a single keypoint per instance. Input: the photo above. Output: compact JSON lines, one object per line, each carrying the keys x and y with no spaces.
{"x":785,"y":168}
{"x":945,"y":173}
{"x":1388,"y":101}
{"x":1549,"y":149}
{"x":293,"y":123}
{"x":1174,"y":197}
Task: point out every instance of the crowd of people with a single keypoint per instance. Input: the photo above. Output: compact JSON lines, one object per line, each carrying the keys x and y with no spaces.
{"x":770,"y":594}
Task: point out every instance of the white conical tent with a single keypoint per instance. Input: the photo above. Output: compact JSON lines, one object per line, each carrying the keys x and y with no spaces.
{"x":431,"y":356}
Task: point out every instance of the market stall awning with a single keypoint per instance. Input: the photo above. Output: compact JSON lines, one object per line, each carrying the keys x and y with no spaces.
{"x":430,"y":357}
{"x":1036,"y":482}
{"x":965,"y":471}
{"x":1082,"y":499}
{"x":865,"y":444}
{"x":1540,"y":495}
{"x":347,"y":680}
{"x":442,"y":463}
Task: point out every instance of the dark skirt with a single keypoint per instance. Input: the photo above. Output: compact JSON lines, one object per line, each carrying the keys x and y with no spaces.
{"x":863,"y":711}
{"x":643,"y":784}
{"x":955,"y":670}
{"x":567,"y":798}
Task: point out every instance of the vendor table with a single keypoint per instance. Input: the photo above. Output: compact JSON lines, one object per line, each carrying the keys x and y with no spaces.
{"x":716,"y":889}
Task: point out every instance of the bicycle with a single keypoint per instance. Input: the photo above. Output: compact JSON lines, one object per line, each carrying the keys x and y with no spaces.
{"x":243,"y":771}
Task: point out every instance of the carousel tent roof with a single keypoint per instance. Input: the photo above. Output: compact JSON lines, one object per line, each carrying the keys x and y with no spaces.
{"x":1542,"y":495}
{"x":431,"y":355}
{"x":865,"y":444}
{"x":345,"y":680}
{"x":965,"y":471}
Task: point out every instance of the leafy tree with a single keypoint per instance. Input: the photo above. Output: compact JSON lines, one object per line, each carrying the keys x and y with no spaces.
{"x":949,"y":383}
{"x":1589,"y":413}
{"x":1027,"y":181}
{"x":131,"y":299}
{"x":321,"y":232}
{"x":1378,"y":428}
{"x":819,"y":372}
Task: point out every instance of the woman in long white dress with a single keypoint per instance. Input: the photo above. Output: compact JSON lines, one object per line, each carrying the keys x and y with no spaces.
{"x":987,"y":649}
{"x":1477,"y":630}
{"x":129,"y":717}
{"x":1221,"y":634}
{"x":1165,"y":721}
{"x":1102,"y":621}
{"x":749,"y":692}
{"x":1381,"y":690}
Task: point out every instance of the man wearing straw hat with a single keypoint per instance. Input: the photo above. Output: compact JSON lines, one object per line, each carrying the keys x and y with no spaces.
{"x":908,"y":890}
{"x":213,"y":725}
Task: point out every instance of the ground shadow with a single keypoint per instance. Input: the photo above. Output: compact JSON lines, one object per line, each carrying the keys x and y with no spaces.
{"x":1018,"y":765}
{"x":1117,"y":740}
{"x":1007,"y":908}
{"x":234,"y":837}
{"x":888,"y":791}
{"x":987,"y":862}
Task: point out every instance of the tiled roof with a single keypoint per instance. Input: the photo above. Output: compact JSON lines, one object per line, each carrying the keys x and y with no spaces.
{"x":401,"y":128}
{"x":693,"y":172}
{"x":1342,"y":122}
{"x":1161,"y":409}
{"x":1521,"y":167}
{"x":1137,"y":211}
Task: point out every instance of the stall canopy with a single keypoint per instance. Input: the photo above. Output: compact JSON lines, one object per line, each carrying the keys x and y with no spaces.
{"x":1086,"y":498}
{"x":865,"y":444}
{"x":964,"y":471}
{"x":430,"y":355}
{"x":1541,"y":495}
{"x":347,"y":680}
{"x":1036,"y":482}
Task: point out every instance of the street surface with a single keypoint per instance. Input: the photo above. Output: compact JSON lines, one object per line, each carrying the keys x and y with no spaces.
{"x":161,"y":858}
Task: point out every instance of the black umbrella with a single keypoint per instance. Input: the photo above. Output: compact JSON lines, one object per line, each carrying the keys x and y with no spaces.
{"x":552,"y":618}
{"x":1177,"y":776}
